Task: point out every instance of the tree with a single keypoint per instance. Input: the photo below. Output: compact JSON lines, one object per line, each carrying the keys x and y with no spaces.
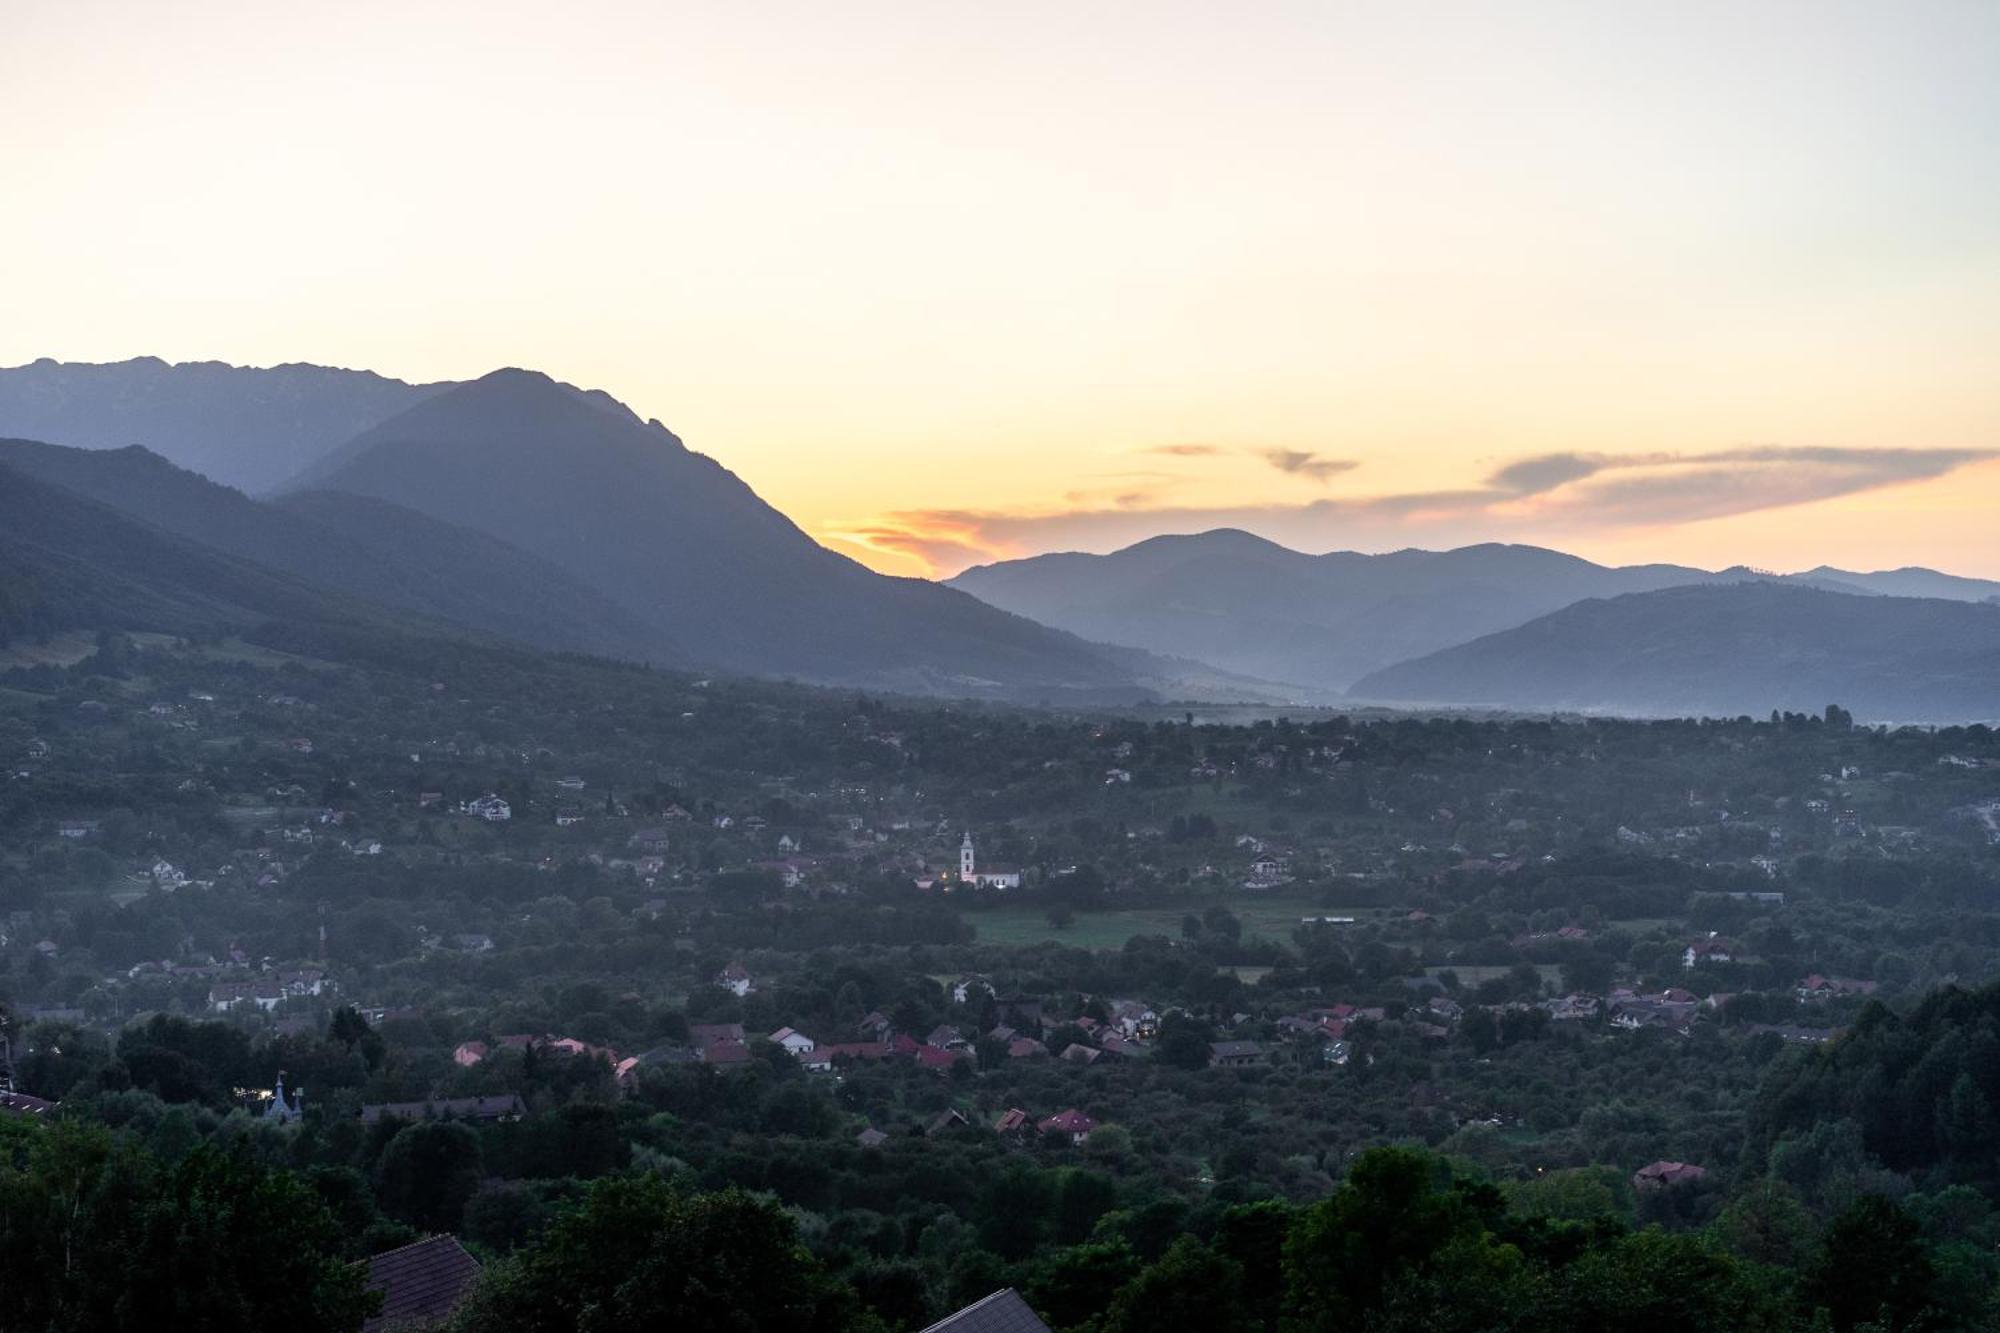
{"x":95,"y":1234}
{"x":635,"y":1254}
{"x":1873,"y":1269}
{"x":1184,"y":1041}
{"x":428,"y":1172}
{"x":1190,"y":1287}
{"x":1386,"y":1223}
{"x":1073,"y":1285}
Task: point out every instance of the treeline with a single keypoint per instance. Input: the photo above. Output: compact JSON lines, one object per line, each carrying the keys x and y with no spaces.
{"x":97,"y":1232}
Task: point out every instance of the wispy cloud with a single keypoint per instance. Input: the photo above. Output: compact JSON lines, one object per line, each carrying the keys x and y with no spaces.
{"x":1527,"y":498}
{"x":1301,"y":463}
{"x":1187,"y":450}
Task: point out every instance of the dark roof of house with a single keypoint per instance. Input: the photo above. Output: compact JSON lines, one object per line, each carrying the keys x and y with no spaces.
{"x":1002,"y":1312}
{"x":20,"y":1103}
{"x":420,"y":1283}
{"x":447,"y":1108}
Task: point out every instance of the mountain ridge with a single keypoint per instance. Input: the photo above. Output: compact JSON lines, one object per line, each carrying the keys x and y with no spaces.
{"x":679,"y":541}
{"x":1256,"y":607}
{"x":251,"y":427}
{"x":1726,"y":648}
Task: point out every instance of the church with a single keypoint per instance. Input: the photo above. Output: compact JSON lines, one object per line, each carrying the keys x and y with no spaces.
{"x":996,"y":877}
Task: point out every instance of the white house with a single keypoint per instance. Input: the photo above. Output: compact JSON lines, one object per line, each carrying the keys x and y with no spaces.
{"x":736,"y":980}
{"x":794,"y":1041}
{"x":490,"y":808}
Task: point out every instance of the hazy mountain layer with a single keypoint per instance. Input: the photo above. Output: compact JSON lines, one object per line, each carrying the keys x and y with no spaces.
{"x":68,"y":562}
{"x":1725,"y":649}
{"x":375,"y":550}
{"x":1253,"y":606}
{"x":247,"y":427}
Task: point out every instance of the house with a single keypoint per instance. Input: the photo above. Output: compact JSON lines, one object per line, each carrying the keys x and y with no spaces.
{"x":1076,"y":1053}
{"x":76,"y":828}
{"x":20,"y":1104}
{"x":1711,"y":949}
{"x":421,"y":1284}
{"x":949,"y":1118}
{"x":652,"y":840}
{"x":1002,"y":1312}
{"x":871,"y":1138}
{"x":1234,"y":1054}
{"x":1073,"y":1123}
{"x":490,"y":808}
{"x":1663,"y":1175}
{"x":1013,"y":1121}
{"x":707,"y":1035}
{"x":794,"y":1041}
{"x":1023,"y":1047}
{"x":468,"y":1053}
{"x":1573,"y":1008}
{"x":967,"y":989}
{"x":228,"y":996}
{"x":569,"y":784}
{"x":1817,"y":989}
{"x":947,"y":1036}
{"x":937,"y":1058}
{"x":736,"y":980}
{"x":787,"y":843}
{"x":505,"y":1107}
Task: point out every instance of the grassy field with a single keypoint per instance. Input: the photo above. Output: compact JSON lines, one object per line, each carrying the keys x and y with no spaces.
{"x":1273,"y":918}
{"x":60,"y":650}
{"x":1473,"y":975}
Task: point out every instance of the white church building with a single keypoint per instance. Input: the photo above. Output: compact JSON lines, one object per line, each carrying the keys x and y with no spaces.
{"x":995,"y":877}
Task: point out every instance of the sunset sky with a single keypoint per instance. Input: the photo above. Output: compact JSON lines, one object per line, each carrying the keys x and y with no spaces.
{"x":1713,"y":283}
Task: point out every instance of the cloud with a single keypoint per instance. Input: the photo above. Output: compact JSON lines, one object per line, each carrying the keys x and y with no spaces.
{"x":1688,"y":488}
{"x":1301,"y":463}
{"x":1525,"y":499}
{"x":1187,"y":450}
{"x":1544,"y":472}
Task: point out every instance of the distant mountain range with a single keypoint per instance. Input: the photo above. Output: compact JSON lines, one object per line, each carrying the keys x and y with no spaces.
{"x":521,"y":508}
{"x":554,"y":516}
{"x":1252,"y":606}
{"x":254,"y":429}
{"x":1725,"y":649}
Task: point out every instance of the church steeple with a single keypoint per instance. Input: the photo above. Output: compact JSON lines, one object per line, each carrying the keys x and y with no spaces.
{"x":966,"y":861}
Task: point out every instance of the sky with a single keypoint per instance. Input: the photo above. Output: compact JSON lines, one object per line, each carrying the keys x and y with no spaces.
{"x":1706,"y":282}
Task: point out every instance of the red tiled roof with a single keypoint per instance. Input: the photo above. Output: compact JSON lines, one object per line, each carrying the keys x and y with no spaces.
{"x":1071,"y":1121}
{"x":421,"y":1283}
